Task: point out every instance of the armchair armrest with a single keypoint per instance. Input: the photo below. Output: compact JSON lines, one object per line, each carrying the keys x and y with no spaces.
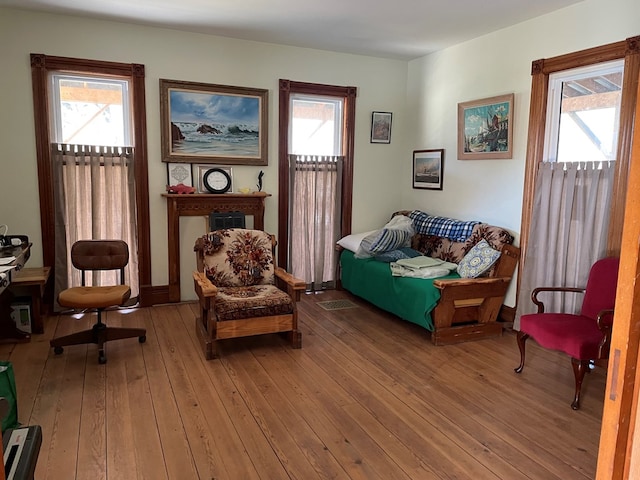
{"x":540,"y":304}
{"x":461,"y":288}
{"x":293,"y":285}
{"x":204,"y":287}
{"x":605,"y":328}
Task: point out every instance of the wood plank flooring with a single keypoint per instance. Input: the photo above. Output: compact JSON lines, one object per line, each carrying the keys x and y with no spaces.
{"x":367,"y":397}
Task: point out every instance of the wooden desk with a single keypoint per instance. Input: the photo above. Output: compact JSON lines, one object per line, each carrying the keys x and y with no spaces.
{"x":201,"y":205}
{"x":9,"y":333}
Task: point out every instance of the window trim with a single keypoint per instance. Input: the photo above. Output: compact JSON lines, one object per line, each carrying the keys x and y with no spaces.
{"x":41,"y":66}
{"x":287,"y":87}
{"x":629,"y":50}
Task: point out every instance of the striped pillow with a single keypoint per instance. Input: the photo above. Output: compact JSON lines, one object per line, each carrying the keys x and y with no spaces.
{"x":384,"y":240}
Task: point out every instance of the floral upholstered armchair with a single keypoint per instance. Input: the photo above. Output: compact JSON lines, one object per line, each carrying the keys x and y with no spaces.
{"x":240,"y":290}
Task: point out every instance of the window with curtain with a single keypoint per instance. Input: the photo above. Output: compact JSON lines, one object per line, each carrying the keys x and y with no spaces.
{"x":316,"y":174}
{"x":574,"y":183}
{"x":93,"y":167}
{"x":92,"y":112}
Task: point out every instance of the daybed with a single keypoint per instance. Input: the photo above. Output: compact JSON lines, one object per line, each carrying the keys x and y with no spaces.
{"x":454,"y":309}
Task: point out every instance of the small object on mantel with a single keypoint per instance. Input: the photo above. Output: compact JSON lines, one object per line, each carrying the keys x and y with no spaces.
{"x":180,"y":188}
{"x":260,"y":175}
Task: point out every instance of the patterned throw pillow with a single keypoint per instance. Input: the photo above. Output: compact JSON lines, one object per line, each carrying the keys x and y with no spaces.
{"x":478,"y":260}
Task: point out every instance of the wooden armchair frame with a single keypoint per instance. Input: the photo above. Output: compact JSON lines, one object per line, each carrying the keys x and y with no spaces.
{"x":209,"y":329}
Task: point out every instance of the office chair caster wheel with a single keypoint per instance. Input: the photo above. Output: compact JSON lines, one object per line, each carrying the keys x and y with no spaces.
{"x":142,"y":338}
{"x":58,"y":350}
{"x":102,"y":359}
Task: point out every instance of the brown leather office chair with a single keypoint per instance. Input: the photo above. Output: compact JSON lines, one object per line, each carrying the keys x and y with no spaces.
{"x":90,"y":256}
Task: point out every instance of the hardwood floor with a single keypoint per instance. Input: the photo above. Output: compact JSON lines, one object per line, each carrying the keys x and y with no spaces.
{"x":367,"y":397}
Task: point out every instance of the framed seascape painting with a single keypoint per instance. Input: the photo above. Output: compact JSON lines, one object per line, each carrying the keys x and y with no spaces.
{"x":217,"y":124}
{"x":381,"y":127}
{"x":427,"y":169}
{"x":485,"y":128}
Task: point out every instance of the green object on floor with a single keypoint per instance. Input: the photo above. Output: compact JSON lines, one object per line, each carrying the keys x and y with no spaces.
{"x":8,"y":392}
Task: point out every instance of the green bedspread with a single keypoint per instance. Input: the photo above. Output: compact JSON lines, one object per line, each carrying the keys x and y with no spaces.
{"x":411,"y":299}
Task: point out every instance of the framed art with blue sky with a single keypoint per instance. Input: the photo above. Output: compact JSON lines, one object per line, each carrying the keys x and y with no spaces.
{"x":217,"y":124}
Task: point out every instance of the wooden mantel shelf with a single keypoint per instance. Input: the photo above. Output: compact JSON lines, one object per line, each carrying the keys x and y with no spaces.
{"x":202,"y":204}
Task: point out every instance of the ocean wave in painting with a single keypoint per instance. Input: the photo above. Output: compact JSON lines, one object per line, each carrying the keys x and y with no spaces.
{"x":217,"y":139}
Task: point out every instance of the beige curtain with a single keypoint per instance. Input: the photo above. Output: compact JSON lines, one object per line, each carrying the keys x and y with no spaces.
{"x":568,"y":233}
{"x":94,"y":193}
{"x":315,"y":218}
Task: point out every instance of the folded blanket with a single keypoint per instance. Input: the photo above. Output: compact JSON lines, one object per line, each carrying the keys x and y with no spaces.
{"x":425,"y":272}
{"x":421,"y":267}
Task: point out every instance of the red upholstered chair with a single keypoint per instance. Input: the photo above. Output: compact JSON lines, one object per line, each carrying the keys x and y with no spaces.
{"x":585,"y":336}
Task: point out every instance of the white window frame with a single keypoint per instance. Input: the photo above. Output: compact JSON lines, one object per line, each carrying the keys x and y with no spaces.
{"x":554,"y":101}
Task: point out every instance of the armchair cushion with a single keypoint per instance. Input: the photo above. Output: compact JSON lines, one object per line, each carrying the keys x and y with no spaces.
{"x":238,"y":258}
{"x":234,"y":303}
{"x":576,"y":335}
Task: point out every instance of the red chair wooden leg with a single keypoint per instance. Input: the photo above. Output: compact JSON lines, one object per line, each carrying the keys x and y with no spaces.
{"x":521,"y":338}
{"x":580,"y":367}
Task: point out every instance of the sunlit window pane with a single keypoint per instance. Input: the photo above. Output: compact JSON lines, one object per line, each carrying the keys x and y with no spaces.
{"x":316,"y":126}
{"x":90,"y":111}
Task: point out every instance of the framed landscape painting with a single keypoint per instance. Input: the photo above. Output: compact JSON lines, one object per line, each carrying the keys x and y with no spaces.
{"x":218,"y":124}
{"x":485,"y":128}
{"x":427,"y":169}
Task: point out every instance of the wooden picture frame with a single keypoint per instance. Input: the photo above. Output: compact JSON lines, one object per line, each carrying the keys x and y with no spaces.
{"x":428,"y":169}
{"x":179,"y":173}
{"x":381,"y":127}
{"x":215,"y":124}
{"x":485,"y":128}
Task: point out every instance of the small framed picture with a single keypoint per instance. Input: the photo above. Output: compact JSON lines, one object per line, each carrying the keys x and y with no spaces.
{"x":381,"y":127}
{"x":427,"y":169}
{"x":179,"y":173}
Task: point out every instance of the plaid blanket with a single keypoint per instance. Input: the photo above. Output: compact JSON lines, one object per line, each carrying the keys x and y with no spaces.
{"x":455,"y":230}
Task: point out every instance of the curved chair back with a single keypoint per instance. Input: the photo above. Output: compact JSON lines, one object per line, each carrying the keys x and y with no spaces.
{"x":100,"y":255}
{"x":600,"y":293}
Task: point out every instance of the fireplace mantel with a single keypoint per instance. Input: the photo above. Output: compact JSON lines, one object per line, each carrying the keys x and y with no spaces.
{"x":201,"y":204}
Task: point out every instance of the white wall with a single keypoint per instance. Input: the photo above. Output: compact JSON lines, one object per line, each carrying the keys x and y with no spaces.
{"x":200,"y":58}
{"x":496,"y":64}
{"x":423,"y":95}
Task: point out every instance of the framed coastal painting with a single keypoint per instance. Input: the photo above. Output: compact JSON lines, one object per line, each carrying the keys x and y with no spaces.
{"x":381,"y":127}
{"x":428,"y":169}
{"x":217,"y":124}
{"x":485,"y":128}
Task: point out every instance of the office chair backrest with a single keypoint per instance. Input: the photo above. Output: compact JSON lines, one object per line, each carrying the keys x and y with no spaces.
{"x":89,"y":255}
{"x":600,"y":293}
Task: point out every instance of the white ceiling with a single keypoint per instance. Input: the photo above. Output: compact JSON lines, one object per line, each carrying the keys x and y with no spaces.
{"x":402,"y":29}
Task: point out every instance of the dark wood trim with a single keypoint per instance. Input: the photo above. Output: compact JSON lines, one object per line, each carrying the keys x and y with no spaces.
{"x":540,"y":70}
{"x":41,"y":65}
{"x":287,"y":87}
{"x":154,"y":295}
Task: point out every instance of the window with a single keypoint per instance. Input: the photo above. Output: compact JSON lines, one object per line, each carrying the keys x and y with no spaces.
{"x":90,"y":110}
{"x":584,"y":113}
{"x":316,"y":125}
{"x":93,"y":97}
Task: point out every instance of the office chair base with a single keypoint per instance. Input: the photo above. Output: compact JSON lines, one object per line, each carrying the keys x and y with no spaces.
{"x":99,"y":334}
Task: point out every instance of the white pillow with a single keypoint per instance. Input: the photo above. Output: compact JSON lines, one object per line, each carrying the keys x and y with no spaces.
{"x":352,"y":242}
